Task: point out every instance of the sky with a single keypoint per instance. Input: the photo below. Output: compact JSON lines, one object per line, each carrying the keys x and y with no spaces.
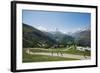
{"x":64,"y":22}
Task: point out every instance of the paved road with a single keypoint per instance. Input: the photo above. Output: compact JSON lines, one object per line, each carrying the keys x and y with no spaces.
{"x":60,"y":55}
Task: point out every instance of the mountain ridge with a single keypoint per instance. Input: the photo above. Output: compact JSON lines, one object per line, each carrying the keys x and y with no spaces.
{"x":32,"y":37}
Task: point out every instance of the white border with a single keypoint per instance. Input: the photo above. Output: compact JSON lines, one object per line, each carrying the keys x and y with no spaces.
{"x":35,"y":65}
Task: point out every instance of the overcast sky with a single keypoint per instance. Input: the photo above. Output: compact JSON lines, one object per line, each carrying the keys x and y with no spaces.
{"x":50,"y":21}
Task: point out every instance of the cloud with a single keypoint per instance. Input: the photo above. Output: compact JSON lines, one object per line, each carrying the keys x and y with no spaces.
{"x":41,"y":28}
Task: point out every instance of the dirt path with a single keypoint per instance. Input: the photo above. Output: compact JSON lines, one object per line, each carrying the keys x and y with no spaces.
{"x":59,"y":55}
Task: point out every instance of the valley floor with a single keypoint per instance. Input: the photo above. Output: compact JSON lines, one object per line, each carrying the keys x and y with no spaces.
{"x":46,"y":55}
{"x":81,"y":57}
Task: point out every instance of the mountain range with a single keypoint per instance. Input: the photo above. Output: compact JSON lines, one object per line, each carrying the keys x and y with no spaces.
{"x":32,"y":37}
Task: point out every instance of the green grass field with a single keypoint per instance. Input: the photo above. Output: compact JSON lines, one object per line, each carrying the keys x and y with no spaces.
{"x":63,"y":50}
{"x":42,"y":58}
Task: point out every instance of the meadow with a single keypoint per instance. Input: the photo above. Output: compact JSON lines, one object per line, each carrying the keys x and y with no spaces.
{"x":45,"y":58}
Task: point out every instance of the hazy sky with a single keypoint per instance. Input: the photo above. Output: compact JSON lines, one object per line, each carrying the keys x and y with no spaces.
{"x":50,"y":21}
